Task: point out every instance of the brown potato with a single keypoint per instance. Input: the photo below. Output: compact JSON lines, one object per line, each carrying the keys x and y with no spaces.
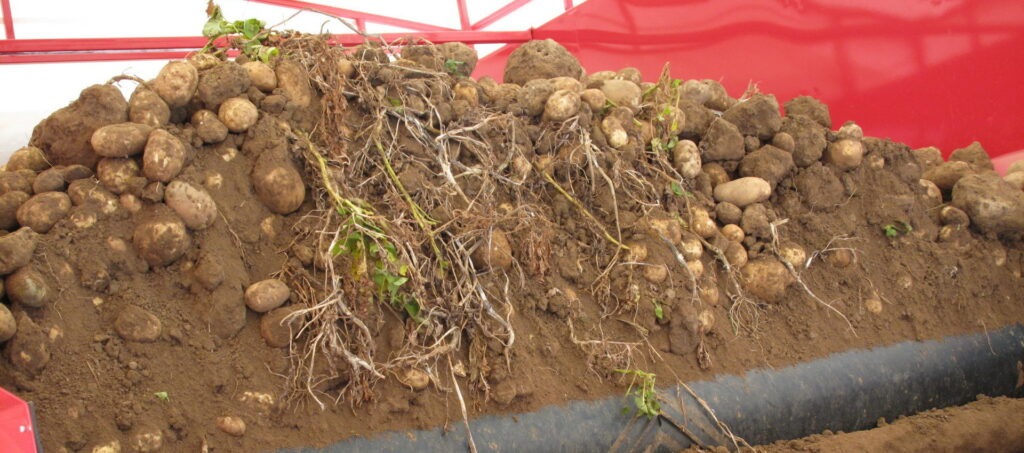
{"x":43,"y":211}
{"x":193,"y":204}
{"x":20,"y":181}
{"x":733,"y":232}
{"x":161,"y":237}
{"x":562,"y":105}
{"x":119,"y":174}
{"x":767,"y":279}
{"x":120,"y":140}
{"x":27,"y":158}
{"x":238,"y":114}
{"x":29,"y":287}
{"x":208,"y":126}
{"x":261,"y":75}
{"x":146,"y":107}
{"x":278,"y":183}
{"x":16,"y":249}
{"x":845,"y":154}
{"x":51,"y":180}
{"x":234,"y":426}
{"x":28,"y":350}
{"x":736,"y":255}
{"x":176,"y":83}
{"x":164,"y":156}
{"x":267,"y":295}
{"x":8,"y":326}
{"x":9,"y":204}
{"x":136,"y":324}
{"x":88,"y":191}
{"x":493,"y":252}
{"x":278,"y":327}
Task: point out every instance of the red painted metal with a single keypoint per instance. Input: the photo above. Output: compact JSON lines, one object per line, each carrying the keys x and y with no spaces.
{"x":927,"y":73}
{"x":463,"y":14}
{"x":499,"y":14}
{"x":353,"y":14}
{"x":17,"y":430}
{"x":5,"y":6}
{"x":568,"y":4}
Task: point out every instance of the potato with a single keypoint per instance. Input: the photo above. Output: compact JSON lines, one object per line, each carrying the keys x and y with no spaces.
{"x":701,"y":223}
{"x":696,"y":268}
{"x":594,"y":98}
{"x":51,"y":180}
{"x":655,"y":273}
{"x":705,"y":322}
{"x":614,"y":132}
{"x":622,"y":93}
{"x":29,"y":287}
{"x":493,"y":252}
{"x":566,"y":83}
{"x":671,"y":119}
{"x":27,"y":158}
{"x":87,"y":191}
{"x":28,"y":350}
{"x":690,"y":247}
{"x":267,"y":295}
{"x":932,"y":192}
{"x":728,"y":213}
{"x":784,"y":141}
{"x":146,"y":107}
{"x":953,"y":216}
{"x":667,"y":229}
{"x":279,"y":326}
{"x":119,"y":174}
{"x":209,"y":128}
{"x":193,"y":204}
{"x":637,"y":252}
{"x":562,"y":105}
{"x":8,"y":326}
{"x":709,"y":294}
{"x":736,"y":255}
{"x":130,"y":203}
{"x":238,"y":114}
{"x":468,"y":91}
{"x":164,"y":156}
{"x":716,"y":173}
{"x":294,"y":83}
{"x":161,"y":236}
{"x":16,"y":250}
{"x":743,"y":191}
{"x":873,"y":305}
{"x":1016,"y":179}
{"x":43,"y":211}
{"x":733,"y":232}
{"x":850,"y":130}
{"x":146,"y":439}
{"x":176,"y":83}
{"x":415,"y":379}
{"x":767,"y":279}
{"x":845,"y":154}
{"x":686,"y":159}
{"x":75,"y":172}
{"x":278,"y":183}
{"x":234,"y":426}
{"x":793,"y":253}
{"x":137,"y":324}
{"x":261,"y":75}
{"x":841,"y":258}
{"x":9,"y":204}
{"x":20,"y":181}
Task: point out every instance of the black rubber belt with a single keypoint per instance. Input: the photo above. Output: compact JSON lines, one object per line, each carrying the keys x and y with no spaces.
{"x":848,"y":391}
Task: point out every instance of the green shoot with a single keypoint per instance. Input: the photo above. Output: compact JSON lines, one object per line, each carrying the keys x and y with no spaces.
{"x":659,"y":312}
{"x":645,"y":398}
{"x":452,"y":65}
{"x":892,"y":230}
{"x":162,"y":396}
{"x":676,"y":189}
{"x":251,"y":34}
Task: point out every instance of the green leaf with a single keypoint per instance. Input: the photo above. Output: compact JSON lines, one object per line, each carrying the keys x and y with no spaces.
{"x":162,"y":396}
{"x":251,"y":28}
{"x":659,"y":312}
{"x":676,"y":83}
{"x":676,"y":189}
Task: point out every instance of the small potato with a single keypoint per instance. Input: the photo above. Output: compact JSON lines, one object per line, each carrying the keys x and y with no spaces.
{"x":466,"y":91}
{"x":415,"y":379}
{"x":43,"y":211}
{"x":637,"y":252}
{"x":709,"y":294}
{"x":9,"y":204}
{"x":614,"y":132}
{"x":20,"y":180}
{"x":736,"y":255}
{"x":841,"y":258}
{"x":75,"y":172}
{"x":845,"y":154}
{"x":716,"y":173}
{"x":8,"y":326}
{"x":267,"y":295}
{"x":873,"y":305}
{"x":50,"y":180}
{"x":161,"y":237}
{"x":784,"y":141}
{"x":696,"y":268}
{"x":742,"y":192}
{"x":137,"y":324}
{"x":146,"y":107}
{"x":850,"y":130}
{"x":119,"y":174}
{"x":209,"y":128}
{"x":16,"y":250}
{"x":130,"y":203}
{"x":686,"y":159}
{"x":87,"y":191}
{"x":794,"y":254}
{"x":234,"y":426}
{"x":594,"y":98}
{"x":690,"y":247}
{"x":27,"y":158}
{"x":122,"y":139}
{"x":29,"y":288}
{"x":567,"y":83}
{"x":261,"y":75}
{"x":164,"y":156}
{"x":238,"y":114}
{"x":655,"y":273}
{"x":667,"y":229}
{"x":954,"y":216}
{"x":733,"y":232}
{"x":176,"y":83}
{"x":278,"y":183}
{"x":279,"y":326}
{"x":705,"y":321}
{"x":294,"y":83}
{"x":193,"y":204}
{"x":701,"y":223}
{"x":932,"y":192}
{"x":493,"y":252}
{"x":622,"y":93}
{"x":562,"y":105}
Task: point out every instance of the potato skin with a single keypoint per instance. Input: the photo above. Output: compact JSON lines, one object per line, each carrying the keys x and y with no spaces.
{"x":16,"y":249}
{"x":119,"y":174}
{"x":238,"y":114}
{"x":176,"y":83}
{"x":278,"y":183}
{"x":193,"y":204}
{"x":146,"y":107}
{"x":267,"y":295}
{"x":43,"y":211}
{"x":29,"y":288}
{"x":9,"y":204}
{"x":161,"y":237}
{"x":120,"y":140}
{"x":164,"y":156}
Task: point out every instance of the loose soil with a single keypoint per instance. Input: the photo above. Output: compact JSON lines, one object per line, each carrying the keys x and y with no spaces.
{"x":495,"y":219}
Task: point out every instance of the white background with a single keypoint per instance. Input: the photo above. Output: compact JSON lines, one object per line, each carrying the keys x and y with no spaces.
{"x":30,"y":92}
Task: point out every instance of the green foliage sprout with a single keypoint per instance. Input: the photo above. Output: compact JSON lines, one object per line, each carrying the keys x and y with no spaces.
{"x":893,"y":230}
{"x":162,"y":396}
{"x":645,"y":398}
{"x":452,"y":65}
{"x":251,"y":34}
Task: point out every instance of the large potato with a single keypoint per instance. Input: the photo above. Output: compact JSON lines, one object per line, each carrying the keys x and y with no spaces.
{"x":278,"y":183}
{"x":767,"y":279}
{"x":120,"y":140}
{"x":193,"y":204}
{"x":43,"y":211}
{"x":267,"y":295}
{"x":146,"y":107}
{"x":28,"y":158}
{"x":9,"y":204}
{"x":16,"y":249}
{"x":743,"y":191}
{"x":176,"y":83}
{"x":29,"y":287}
{"x":238,"y":114}
{"x":119,"y":174}
{"x":161,"y":236}
{"x":164,"y":156}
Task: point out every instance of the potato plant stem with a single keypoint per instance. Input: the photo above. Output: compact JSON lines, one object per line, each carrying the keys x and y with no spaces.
{"x":582,"y":209}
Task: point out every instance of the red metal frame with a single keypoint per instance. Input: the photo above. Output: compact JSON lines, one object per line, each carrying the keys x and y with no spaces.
{"x":8,"y":19}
